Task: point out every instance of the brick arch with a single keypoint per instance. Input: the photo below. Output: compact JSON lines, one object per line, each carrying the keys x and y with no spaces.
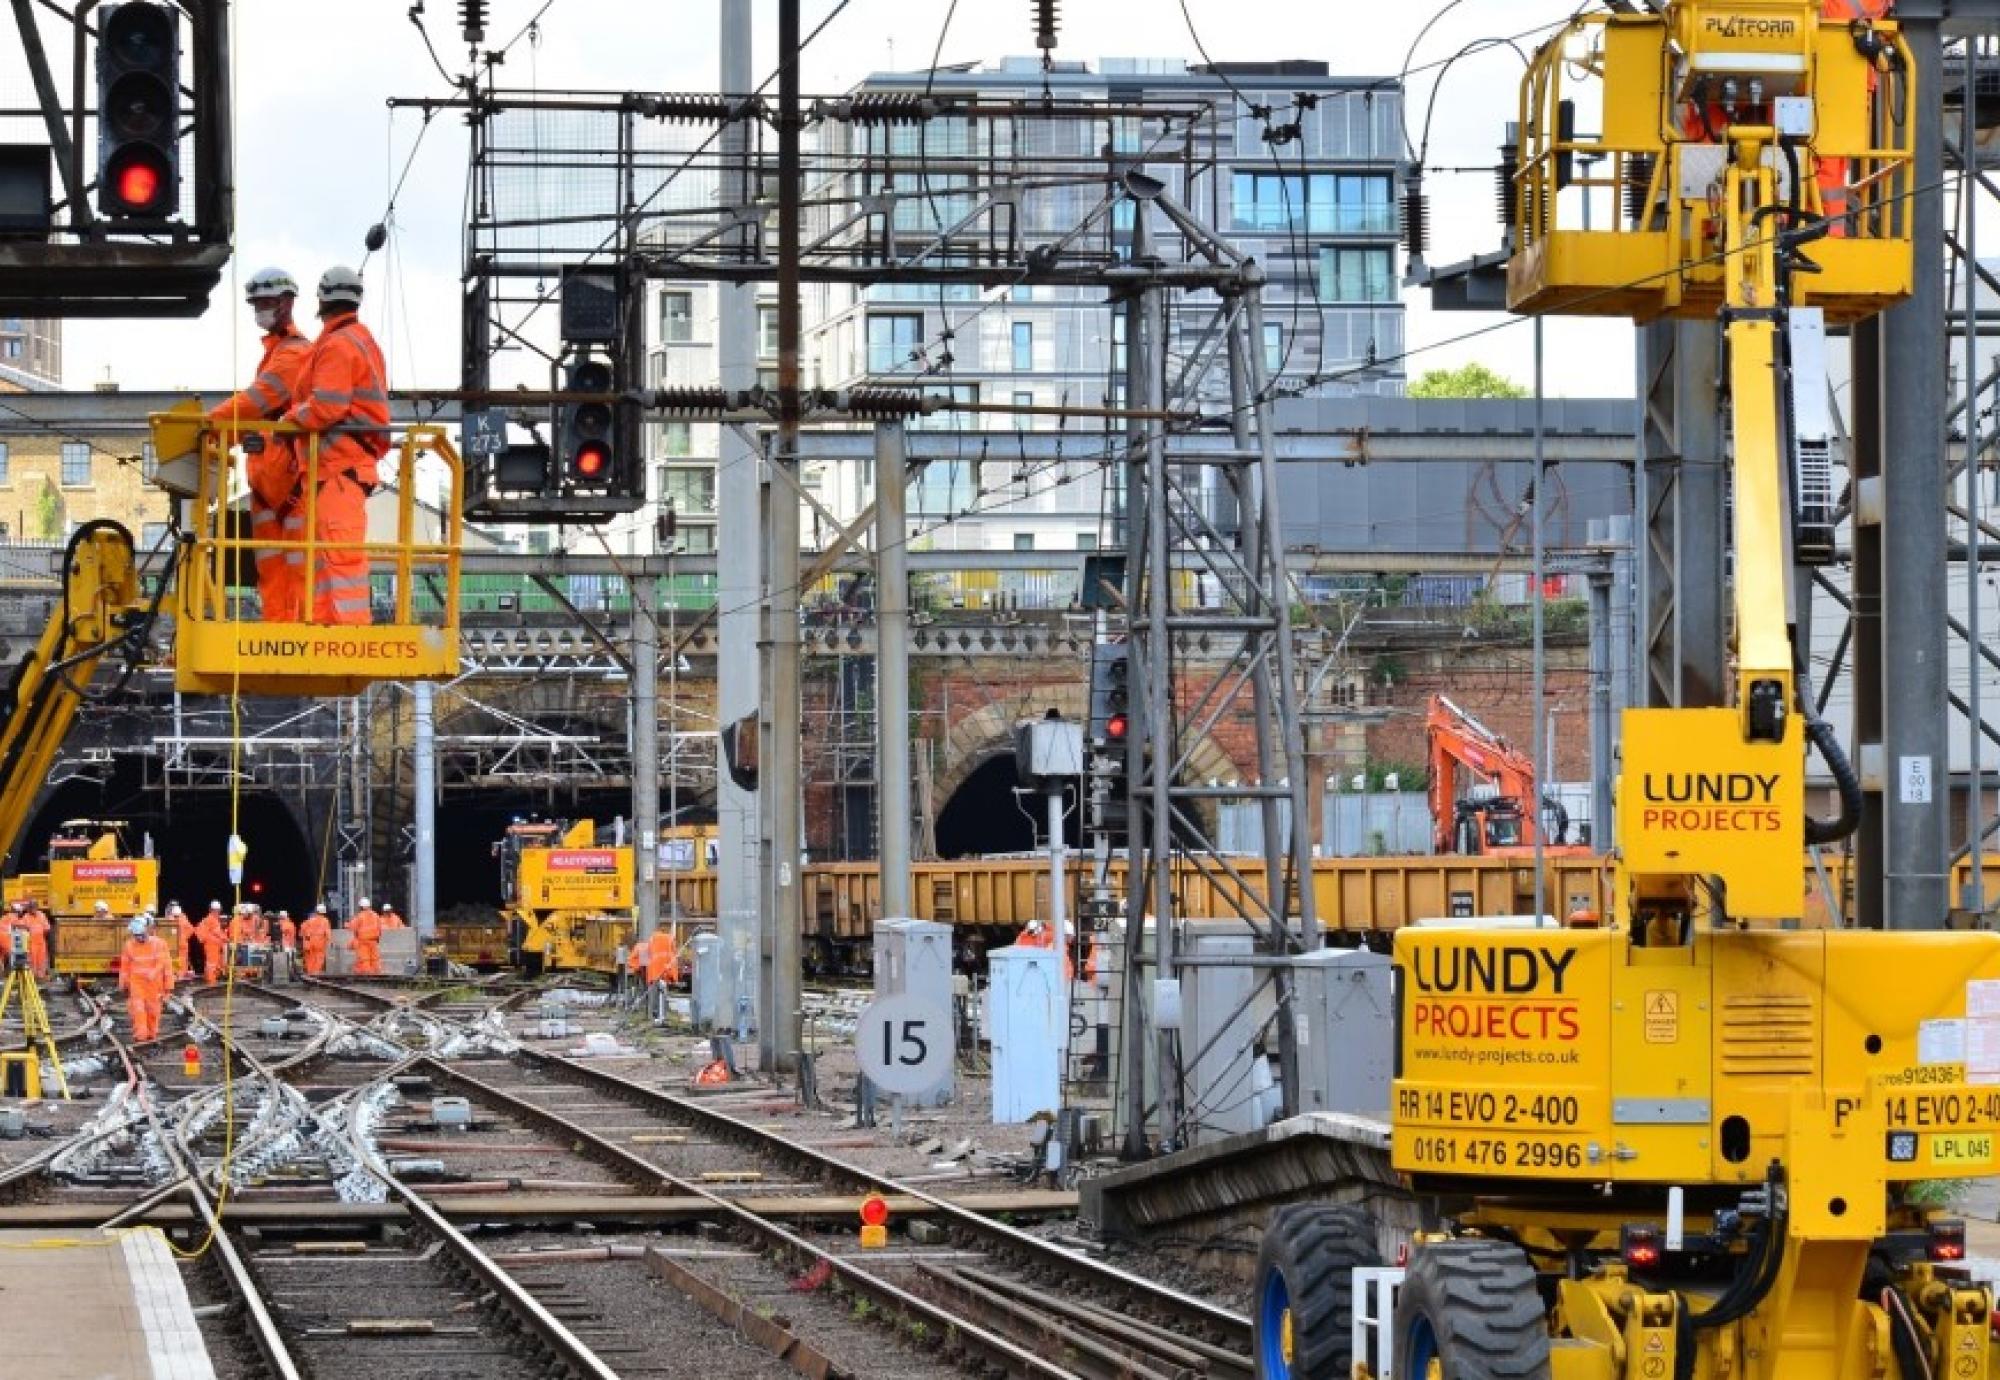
{"x":988,"y":732}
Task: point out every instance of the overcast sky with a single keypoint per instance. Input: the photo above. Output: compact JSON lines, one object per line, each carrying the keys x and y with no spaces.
{"x":316,"y":146}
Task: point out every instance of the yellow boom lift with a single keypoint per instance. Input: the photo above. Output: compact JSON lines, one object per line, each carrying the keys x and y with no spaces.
{"x":111,"y":618}
{"x":1683,"y":1144}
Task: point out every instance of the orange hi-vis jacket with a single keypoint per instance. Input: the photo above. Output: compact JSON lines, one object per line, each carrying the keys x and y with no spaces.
{"x":344,"y":382}
{"x":145,"y":969}
{"x":316,"y":932}
{"x":274,"y":474}
{"x":288,"y":931}
{"x":365,"y":926}
{"x":662,"y":958}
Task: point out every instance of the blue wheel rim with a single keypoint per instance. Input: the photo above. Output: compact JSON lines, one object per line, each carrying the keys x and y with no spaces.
{"x":1274,"y":1303}
{"x":1419,"y":1348}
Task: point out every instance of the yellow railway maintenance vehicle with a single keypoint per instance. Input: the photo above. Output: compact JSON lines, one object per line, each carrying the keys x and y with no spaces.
{"x":557,"y":885}
{"x":1667,"y":1146}
{"x":90,"y":861}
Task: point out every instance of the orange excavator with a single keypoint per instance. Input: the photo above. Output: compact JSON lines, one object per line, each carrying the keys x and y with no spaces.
{"x":1502,"y":825}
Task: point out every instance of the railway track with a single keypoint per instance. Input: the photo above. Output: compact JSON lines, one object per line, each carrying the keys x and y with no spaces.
{"x":321,"y":1286}
{"x":993,"y":1295}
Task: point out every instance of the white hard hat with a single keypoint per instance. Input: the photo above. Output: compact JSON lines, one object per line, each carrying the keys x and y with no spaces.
{"x":1034,"y":927}
{"x":173,"y":907}
{"x":340,"y":284}
{"x":215,"y":905}
{"x":271,"y":282}
{"x":364,"y":903}
{"x":138,"y":928}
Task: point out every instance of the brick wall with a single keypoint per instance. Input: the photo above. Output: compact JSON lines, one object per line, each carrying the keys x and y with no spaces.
{"x":114,"y":485}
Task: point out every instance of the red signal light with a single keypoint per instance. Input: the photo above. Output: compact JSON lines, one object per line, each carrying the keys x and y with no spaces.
{"x":1947,"y":1241}
{"x":874,"y":1211}
{"x":592,"y":459}
{"x":137,"y":182}
{"x":1115,"y":727}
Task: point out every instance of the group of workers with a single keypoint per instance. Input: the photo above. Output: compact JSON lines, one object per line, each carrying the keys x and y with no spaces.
{"x":335,"y":389}
{"x":148,"y":970}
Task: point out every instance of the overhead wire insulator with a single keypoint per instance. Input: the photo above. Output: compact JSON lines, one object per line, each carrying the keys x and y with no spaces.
{"x":1416,"y":218}
{"x":472,"y":20}
{"x":1509,"y":192}
{"x":693,"y":402}
{"x":888,"y":108}
{"x":678,"y":108}
{"x":885,"y":402}
{"x":1047,"y":13}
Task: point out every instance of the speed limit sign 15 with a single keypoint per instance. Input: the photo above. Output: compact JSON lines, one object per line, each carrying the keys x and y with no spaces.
{"x":904,"y":1044}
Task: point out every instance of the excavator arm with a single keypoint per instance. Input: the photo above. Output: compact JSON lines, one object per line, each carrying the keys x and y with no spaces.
{"x":1457,"y":740}
{"x":100,"y":615}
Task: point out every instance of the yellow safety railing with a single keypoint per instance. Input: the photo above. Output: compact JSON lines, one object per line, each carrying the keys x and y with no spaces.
{"x":1579,"y":248}
{"x":220,"y":646}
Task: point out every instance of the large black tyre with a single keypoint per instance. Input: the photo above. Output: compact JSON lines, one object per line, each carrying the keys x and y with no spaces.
{"x":1304,"y":1304}
{"x":1473,"y":1309}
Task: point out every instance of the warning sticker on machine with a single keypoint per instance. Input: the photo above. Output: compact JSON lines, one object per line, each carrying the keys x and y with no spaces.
{"x":1941,"y":1042}
{"x":1663,"y":1017}
{"x":1982,"y":998}
{"x":1982,"y":1051}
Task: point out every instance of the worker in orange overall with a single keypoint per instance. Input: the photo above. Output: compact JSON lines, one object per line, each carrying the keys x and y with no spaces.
{"x":366,"y":928}
{"x":663,"y":958}
{"x":213,"y":942}
{"x":277,"y":509}
{"x":37,"y":924}
{"x":1835,"y":197}
{"x":145,"y":975}
{"x":391,"y":920}
{"x":315,"y":935}
{"x":242,"y":931}
{"x":288,"y":932}
{"x":183,"y":938}
{"x":343,"y":384}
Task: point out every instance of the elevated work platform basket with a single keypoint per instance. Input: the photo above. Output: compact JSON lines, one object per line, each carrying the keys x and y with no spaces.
{"x":1626,"y":222}
{"x":223,"y":643}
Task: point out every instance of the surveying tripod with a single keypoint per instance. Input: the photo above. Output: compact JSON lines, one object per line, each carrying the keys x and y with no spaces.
{"x":35,"y":1032}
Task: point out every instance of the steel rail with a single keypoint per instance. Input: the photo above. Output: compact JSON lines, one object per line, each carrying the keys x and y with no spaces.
{"x":882,"y":1293}
{"x":1231,"y":1327}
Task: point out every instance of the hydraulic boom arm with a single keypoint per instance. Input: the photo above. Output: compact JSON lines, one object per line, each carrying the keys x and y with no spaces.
{"x":99,"y":612}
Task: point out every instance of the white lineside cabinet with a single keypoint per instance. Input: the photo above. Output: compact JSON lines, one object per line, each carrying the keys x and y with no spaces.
{"x":705,"y":988}
{"x":1026,"y":1019}
{"x":913,"y":958}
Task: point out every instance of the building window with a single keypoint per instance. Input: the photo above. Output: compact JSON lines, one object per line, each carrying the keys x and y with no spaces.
{"x":767,"y":332}
{"x":11,"y":347}
{"x":75,"y":464}
{"x":1274,"y":347}
{"x":149,"y":462}
{"x":676,"y":318}
{"x":676,"y":439}
{"x":1086,"y":541}
{"x":1024,"y":346}
{"x":3,"y":462}
{"x":952,"y":420}
{"x":1024,"y":541}
{"x":1323,"y":203}
{"x":1356,"y":275}
{"x":894,"y":338}
{"x":153,"y":537}
{"x":1023,"y":420}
